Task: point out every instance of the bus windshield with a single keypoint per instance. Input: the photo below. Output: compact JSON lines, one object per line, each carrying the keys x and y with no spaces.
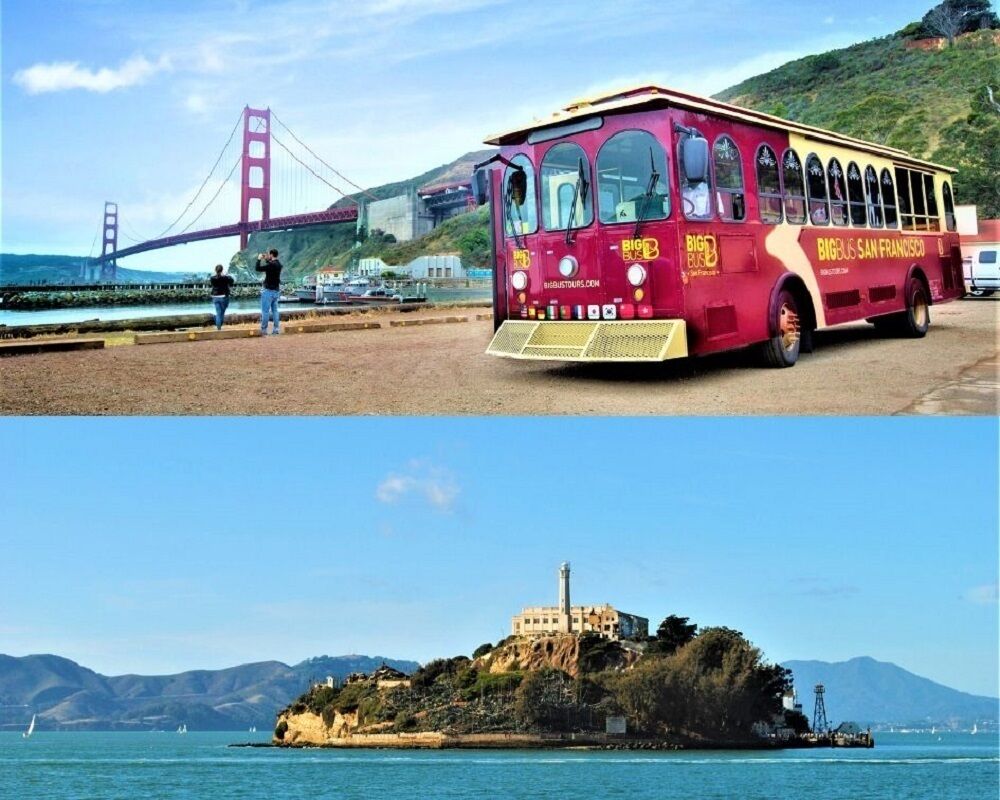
{"x":625,"y":167}
{"x":520,"y":214}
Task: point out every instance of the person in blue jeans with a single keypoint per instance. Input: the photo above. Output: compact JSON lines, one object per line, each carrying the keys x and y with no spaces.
{"x":268,"y":264}
{"x":221,"y":284}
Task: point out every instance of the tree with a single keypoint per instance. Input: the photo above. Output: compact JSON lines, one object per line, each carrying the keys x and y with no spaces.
{"x":953,"y":17}
{"x":972,"y":148}
{"x":482,"y":650}
{"x":674,"y":632}
{"x":544,"y":699}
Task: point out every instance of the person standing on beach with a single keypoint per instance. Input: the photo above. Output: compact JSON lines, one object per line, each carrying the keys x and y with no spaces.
{"x":221,"y":284}
{"x":268,"y":264}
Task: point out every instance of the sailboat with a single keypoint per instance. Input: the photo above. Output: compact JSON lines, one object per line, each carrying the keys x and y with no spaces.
{"x":974,"y":731}
{"x":183,"y":728}
{"x":31,"y":728}
{"x":253,"y":729}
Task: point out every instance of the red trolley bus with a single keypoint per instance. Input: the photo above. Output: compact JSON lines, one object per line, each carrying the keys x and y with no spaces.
{"x":654,"y":224}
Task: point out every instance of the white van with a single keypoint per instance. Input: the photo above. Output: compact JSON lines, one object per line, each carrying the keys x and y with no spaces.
{"x":982,"y":271}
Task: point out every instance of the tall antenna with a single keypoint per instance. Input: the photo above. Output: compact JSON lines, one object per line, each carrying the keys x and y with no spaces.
{"x":820,"y":725}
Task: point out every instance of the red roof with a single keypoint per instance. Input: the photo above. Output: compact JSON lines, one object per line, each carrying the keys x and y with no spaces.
{"x":989,"y":232}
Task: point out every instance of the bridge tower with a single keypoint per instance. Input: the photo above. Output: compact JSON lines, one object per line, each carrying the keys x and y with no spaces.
{"x":109,"y":266}
{"x":256,"y":165}
{"x":820,"y":725}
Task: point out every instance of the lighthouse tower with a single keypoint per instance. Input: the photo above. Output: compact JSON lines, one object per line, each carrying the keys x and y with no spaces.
{"x":565,"y":617}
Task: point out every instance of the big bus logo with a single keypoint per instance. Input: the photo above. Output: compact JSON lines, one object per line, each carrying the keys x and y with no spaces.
{"x":640,"y":249}
{"x":522,"y":258}
{"x":702,"y":251}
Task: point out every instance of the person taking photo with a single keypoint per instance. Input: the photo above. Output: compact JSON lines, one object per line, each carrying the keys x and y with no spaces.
{"x":268,"y":264}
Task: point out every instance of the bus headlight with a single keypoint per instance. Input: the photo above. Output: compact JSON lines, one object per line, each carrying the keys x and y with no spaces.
{"x":636,"y":274}
{"x":519,"y":280}
{"x":568,"y":266}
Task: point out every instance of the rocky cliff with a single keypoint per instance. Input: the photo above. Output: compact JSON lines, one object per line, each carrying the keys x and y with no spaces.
{"x":561,"y":651}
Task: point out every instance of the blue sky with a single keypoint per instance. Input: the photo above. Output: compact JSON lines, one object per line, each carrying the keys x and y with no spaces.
{"x":160,"y":545}
{"x":132,"y":101}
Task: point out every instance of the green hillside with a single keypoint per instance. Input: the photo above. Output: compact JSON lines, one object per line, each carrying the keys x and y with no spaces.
{"x":930,"y":102}
{"x":914,"y":94}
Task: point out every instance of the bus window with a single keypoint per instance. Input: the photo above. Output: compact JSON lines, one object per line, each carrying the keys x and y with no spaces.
{"x":819,"y":210}
{"x":856,"y":195}
{"x":903,"y":197}
{"x":625,"y":166}
{"x":838,"y":193}
{"x":768,"y":185}
{"x":696,"y":194}
{"x":874,"y":197}
{"x":520,"y":212}
{"x":889,"y":200}
{"x":934,"y":221}
{"x":949,"y":206}
{"x":919,"y":204}
{"x":795,"y":190}
{"x":560,"y":175}
{"x":729,"y":180}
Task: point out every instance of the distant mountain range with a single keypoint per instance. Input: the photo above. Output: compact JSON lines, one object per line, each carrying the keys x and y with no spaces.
{"x":67,"y":696}
{"x":874,"y":692}
{"x":26,"y":269}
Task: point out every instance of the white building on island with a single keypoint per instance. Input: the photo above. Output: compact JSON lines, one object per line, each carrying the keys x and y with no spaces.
{"x":603,"y":619}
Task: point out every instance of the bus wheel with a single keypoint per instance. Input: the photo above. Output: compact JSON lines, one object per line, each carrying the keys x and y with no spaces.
{"x":782,"y":349}
{"x":982,"y":292}
{"x":915,"y":321}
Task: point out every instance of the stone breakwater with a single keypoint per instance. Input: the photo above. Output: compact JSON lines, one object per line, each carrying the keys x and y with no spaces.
{"x":45,"y":300}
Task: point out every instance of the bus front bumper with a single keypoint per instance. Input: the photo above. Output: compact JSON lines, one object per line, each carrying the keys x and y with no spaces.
{"x":640,"y":340}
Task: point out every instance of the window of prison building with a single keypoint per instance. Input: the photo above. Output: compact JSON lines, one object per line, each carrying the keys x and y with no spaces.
{"x":696,"y":194}
{"x":920,"y":222}
{"x":874,"y":197}
{"x":794,"y":188}
{"x":933,"y":216}
{"x":729,"y":193}
{"x":520,"y":207}
{"x":949,"y":206}
{"x":889,"y":200}
{"x":768,"y":185}
{"x":903,"y":198}
{"x":838,"y":193}
{"x":819,"y":208}
{"x":856,"y":195}
{"x":565,"y":179}
{"x":625,"y":166}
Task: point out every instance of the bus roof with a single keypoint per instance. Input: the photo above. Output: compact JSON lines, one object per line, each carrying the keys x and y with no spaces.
{"x":647,"y":97}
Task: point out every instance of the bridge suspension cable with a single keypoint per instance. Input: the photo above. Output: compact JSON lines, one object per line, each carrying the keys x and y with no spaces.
{"x":204,"y":183}
{"x":218,"y":191}
{"x":319,"y":159}
{"x":280,"y":143}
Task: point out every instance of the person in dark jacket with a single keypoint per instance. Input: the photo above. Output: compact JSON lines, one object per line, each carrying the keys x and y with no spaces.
{"x":221,"y":284}
{"x":268,"y":264}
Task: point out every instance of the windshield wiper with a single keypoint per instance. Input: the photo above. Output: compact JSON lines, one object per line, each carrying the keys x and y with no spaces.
{"x":654,"y":177}
{"x":579,"y":189}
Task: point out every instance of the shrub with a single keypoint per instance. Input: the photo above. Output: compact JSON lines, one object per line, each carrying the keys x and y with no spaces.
{"x":280,"y":730}
{"x":482,"y":650}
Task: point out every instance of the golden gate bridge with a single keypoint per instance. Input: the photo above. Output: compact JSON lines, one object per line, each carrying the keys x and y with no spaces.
{"x":256,"y":182}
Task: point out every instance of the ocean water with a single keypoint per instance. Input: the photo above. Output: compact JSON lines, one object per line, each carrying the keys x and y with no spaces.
{"x":200,"y":765}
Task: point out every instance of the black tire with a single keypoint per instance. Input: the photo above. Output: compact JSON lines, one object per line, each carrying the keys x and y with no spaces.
{"x":914,"y":321}
{"x":982,"y":292}
{"x":782,"y":349}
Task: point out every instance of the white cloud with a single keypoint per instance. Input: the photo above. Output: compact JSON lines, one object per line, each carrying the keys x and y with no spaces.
{"x":196,"y":103}
{"x":60,"y":76}
{"x":984,"y":595}
{"x":435,"y":485}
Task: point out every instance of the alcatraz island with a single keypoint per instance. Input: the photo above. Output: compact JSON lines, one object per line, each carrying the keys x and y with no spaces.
{"x":571,"y":676}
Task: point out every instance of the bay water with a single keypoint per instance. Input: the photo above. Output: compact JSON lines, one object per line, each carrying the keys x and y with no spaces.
{"x":202,"y":765}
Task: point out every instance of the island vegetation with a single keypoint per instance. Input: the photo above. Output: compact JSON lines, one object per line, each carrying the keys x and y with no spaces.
{"x":682,"y":687}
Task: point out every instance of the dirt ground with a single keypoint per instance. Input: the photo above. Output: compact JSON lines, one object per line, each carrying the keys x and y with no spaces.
{"x":442,"y":369}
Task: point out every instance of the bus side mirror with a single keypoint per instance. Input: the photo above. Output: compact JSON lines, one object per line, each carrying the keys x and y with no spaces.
{"x":480,"y":186}
{"x":694,"y":151}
